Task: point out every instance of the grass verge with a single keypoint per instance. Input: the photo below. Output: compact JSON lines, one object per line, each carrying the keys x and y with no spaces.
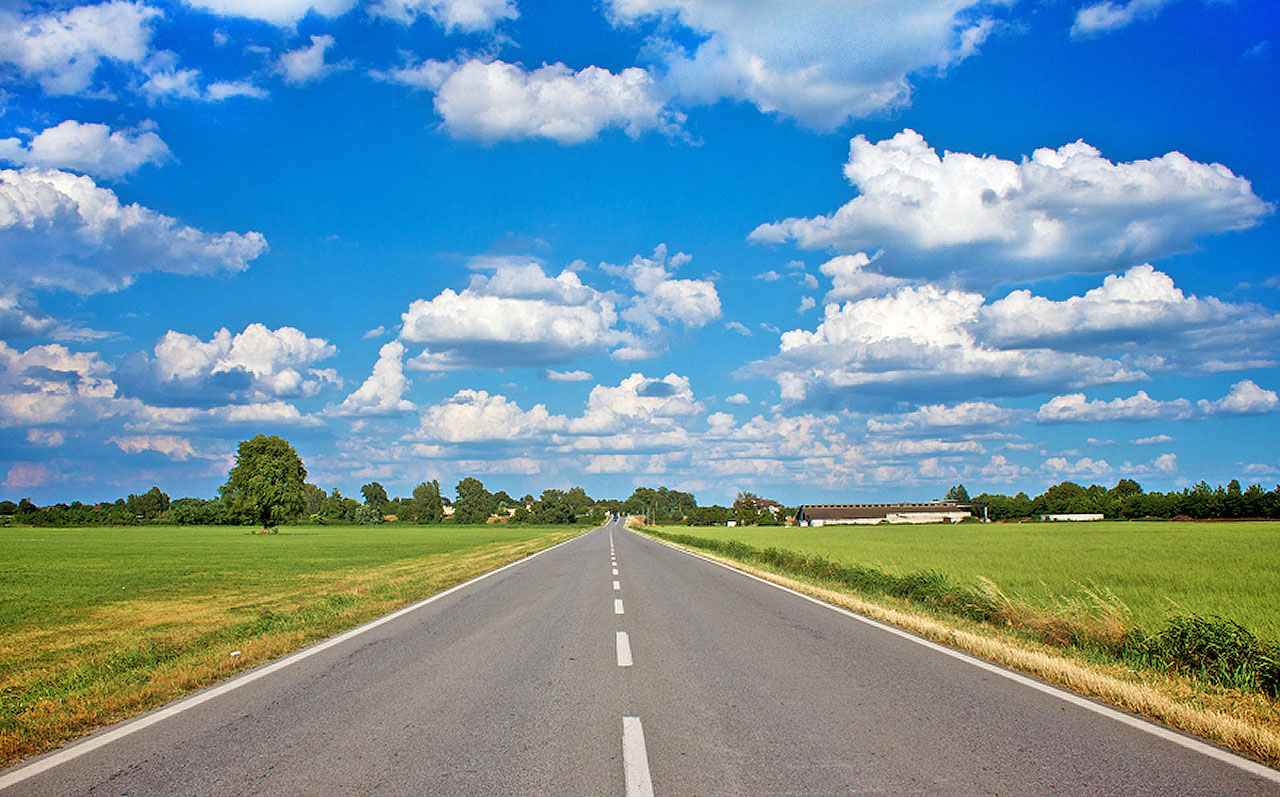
{"x":98,"y":625}
{"x":1074,"y":647}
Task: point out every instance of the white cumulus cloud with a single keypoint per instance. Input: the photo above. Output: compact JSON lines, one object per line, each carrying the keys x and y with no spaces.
{"x":1075,"y":408}
{"x":820,"y":63}
{"x":383,"y":392}
{"x":1085,"y":466}
{"x":850,"y":278}
{"x":171,"y":446}
{"x":1245,"y":398}
{"x":1099,"y":18}
{"x":62,"y":50}
{"x":1142,"y":306}
{"x":567,"y":376}
{"x":693,"y":303}
{"x":466,"y":16}
{"x":965,"y":415}
{"x":985,"y":220}
{"x":271,"y":357}
{"x":473,"y":416}
{"x":918,"y":340}
{"x":284,"y":13}
{"x":496,"y":101}
{"x":90,"y":148}
{"x":59,"y":230}
{"x":306,"y":64}
{"x":519,"y":316}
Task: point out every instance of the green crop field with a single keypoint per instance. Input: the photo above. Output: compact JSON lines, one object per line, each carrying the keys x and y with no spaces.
{"x":100,"y":623}
{"x":1157,"y":569}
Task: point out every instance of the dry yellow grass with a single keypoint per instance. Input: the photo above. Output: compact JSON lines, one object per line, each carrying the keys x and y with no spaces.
{"x":1248,"y":724}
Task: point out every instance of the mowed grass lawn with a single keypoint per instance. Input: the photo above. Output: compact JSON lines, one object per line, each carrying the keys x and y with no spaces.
{"x":97,"y":624}
{"x":1156,"y":568}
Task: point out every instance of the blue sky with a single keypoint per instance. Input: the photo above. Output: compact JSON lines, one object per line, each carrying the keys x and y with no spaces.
{"x":819,"y":251}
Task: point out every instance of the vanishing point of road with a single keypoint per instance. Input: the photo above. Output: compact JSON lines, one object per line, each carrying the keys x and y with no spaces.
{"x":614,"y":664}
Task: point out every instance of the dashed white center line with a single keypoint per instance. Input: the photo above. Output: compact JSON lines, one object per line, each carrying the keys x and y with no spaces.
{"x":615,"y":571}
{"x":624,"y":650}
{"x":635,"y":761}
{"x":617,"y":585}
{"x":617,"y":605}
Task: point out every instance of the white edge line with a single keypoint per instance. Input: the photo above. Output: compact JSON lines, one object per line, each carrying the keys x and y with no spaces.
{"x":1168,"y":734}
{"x":624,"y":649}
{"x":635,"y":762}
{"x":77,"y":749}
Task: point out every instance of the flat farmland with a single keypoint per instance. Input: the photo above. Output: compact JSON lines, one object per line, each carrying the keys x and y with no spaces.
{"x":1158,"y":569}
{"x":97,"y":624}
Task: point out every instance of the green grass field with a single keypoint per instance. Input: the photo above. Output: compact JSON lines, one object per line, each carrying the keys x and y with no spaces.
{"x":1157,"y":568}
{"x":97,"y":624}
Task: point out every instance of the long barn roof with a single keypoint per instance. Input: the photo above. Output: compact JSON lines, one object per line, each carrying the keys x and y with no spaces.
{"x":832,"y":511}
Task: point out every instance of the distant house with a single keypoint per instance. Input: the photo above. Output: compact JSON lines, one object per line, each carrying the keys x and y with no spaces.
{"x":813,"y":515}
{"x":1074,"y":516}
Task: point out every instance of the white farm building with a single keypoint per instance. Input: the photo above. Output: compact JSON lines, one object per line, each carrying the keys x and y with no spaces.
{"x":868,"y":514}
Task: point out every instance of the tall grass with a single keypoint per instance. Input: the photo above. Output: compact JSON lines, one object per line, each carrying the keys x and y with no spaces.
{"x":1215,"y":650}
{"x":1157,"y":568}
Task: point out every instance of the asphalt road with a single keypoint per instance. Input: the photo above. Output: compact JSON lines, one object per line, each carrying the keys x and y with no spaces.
{"x":672,"y":675}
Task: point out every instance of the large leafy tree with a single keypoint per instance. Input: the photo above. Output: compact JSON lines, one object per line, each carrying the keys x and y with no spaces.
{"x":375,"y":495}
{"x":475,"y":504}
{"x":427,"y":502}
{"x":265,"y":484}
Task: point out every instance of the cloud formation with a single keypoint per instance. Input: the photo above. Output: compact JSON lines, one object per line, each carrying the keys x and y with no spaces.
{"x":93,"y":149}
{"x":1099,"y":18}
{"x":1244,"y":398}
{"x":1136,"y":311}
{"x":986,"y":220}
{"x":285,"y":13}
{"x":306,"y":64}
{"x":383,"y":392}
{"x":271,"y":357}
{"x":820,"y":65}
{"x":519,"y":316}
{"x":62,"y":50}
{"x":497,"y":101}
{"x":922,"y":338}
{"x":465,"y":16}
{"x":662,"y":299}
{"x":918,"y":341}
{"x":59,"y":230}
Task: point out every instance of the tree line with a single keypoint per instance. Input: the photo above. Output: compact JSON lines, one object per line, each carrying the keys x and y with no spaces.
{"x":267,"y":487}
{"x":1128,"y":501}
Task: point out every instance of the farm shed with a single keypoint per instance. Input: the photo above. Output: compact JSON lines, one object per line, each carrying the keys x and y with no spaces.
{"x":1073,"y":516}
{"x":868,"y":514}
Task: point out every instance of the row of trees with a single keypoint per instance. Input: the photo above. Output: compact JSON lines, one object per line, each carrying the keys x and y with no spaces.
{"x":1127,"y":500}
{"x":267,"y":486}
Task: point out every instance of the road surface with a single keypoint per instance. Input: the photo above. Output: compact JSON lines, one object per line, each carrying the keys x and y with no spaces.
{"x":613,"y":664}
